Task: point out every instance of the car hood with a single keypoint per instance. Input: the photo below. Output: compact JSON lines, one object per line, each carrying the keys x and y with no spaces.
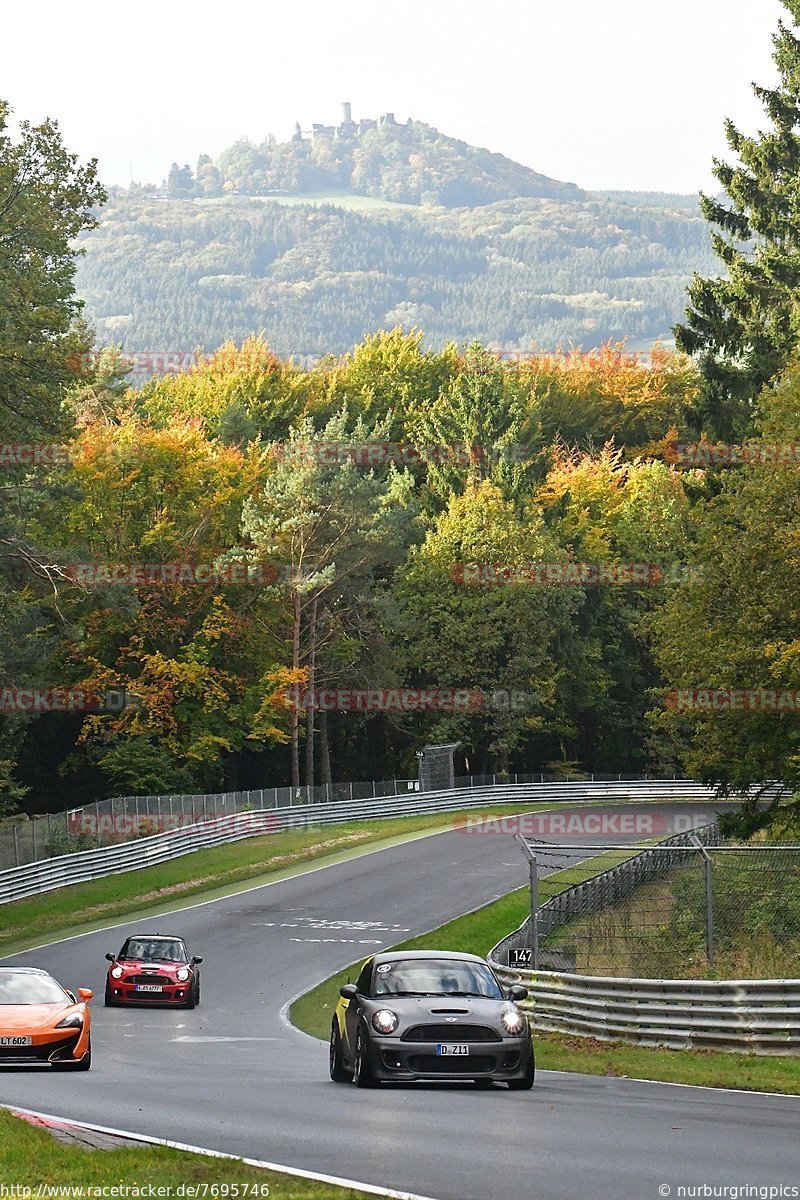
{"x":135,"y":964}
{"x":444,"y":1009}
{"x":16,"y":1017}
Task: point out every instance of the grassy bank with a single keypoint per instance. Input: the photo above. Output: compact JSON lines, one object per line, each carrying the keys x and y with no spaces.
{"x":33,"y":1158}
{"x":207,"y":873}
{"x":477,"y":932}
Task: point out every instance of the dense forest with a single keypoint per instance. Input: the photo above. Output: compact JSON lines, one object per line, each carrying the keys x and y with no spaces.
{"x":163,"y":274}
{"x":238,"y":553}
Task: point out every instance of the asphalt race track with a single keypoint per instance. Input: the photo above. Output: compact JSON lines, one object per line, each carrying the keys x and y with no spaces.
{"x":234,"y":1076}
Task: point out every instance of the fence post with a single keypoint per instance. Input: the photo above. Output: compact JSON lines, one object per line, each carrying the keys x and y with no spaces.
{"x":709,"y":910}
{"x":534,"y":877}
{"x":16,"y":846}
{"x":709,"y":879}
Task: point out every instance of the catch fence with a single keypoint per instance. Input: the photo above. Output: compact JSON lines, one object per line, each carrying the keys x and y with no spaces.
{"x":690,"y":907}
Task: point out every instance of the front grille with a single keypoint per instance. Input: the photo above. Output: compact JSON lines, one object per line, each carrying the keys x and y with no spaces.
{"x":451,"y":1033}
{"x":457,"y":1064}
{"x":160,"y":980}
{"x":41,"y":1053}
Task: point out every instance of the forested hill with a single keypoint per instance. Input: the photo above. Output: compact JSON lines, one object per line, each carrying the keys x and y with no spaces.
{"x":163,"y":274}
{"x":410,"y":163}
{"x":320,"y":240}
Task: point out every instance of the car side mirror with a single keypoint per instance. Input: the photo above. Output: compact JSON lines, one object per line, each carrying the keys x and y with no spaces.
{"x":85,"y":993}
{"x":517,"y":992}
{"x":111,"y":957}
{"x":348,"y":992}
{"x":197,"y":960}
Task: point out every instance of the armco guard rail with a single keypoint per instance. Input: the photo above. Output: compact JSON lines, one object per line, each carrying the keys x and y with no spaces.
{"x":48,"y":874}
{"x":756,"y":1015}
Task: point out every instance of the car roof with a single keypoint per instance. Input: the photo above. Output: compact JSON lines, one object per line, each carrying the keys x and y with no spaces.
{"x":448,"y":955}
{"x":153,"y":937}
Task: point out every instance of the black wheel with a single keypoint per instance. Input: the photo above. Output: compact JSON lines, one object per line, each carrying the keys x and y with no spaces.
{"x":191,"y":1002}
{"x":339,"y":1072}
{"x":197,"y":990}
{"x":526,"y":1082}
{"x":362,"y":1070}
{"x":108,"y":1000}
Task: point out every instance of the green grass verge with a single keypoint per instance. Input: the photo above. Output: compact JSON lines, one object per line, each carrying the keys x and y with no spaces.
{"x":32,"y":1157}
{"x":206,"y":874}
{"x":477,"y":932}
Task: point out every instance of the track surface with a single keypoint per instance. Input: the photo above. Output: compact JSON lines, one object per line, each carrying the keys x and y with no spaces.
{"x":233,"y":1076}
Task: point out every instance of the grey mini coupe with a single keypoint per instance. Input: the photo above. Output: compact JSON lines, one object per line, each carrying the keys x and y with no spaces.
{"x":430,"y":1014}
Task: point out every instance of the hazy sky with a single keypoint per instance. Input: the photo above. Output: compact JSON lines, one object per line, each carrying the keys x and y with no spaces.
{"x":607,"y":93}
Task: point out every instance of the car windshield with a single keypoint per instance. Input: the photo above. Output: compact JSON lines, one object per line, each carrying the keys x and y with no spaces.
{"x":435,"y":977}
{"x":154,"y":950}
{"x":21,"y":988}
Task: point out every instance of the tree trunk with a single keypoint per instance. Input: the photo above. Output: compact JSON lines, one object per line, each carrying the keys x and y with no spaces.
{"x":324,"y":748}
{"x":311,"y":710}
{"x":295,"y":744}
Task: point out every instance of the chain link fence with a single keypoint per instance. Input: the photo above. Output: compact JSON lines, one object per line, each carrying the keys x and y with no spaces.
{"x":690,"y":908}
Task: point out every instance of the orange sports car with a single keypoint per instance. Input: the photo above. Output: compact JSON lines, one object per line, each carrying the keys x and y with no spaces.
{"x":40,"y":1022}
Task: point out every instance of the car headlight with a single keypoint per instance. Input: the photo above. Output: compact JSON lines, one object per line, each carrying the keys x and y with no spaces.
{"x":182,"y":975}
{"x":513,"y":1021}
{"x":116,"y":972}
{"x":73,"y":1022}
{"x":384,"y":1021}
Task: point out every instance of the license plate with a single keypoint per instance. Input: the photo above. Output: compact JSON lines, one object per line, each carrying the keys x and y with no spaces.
{"x":16,"y":1041}
{"x":149,"y":987}
{"x":452,"y":1048}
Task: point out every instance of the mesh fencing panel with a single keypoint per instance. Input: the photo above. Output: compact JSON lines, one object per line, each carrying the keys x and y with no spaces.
{"x":678,"y":913}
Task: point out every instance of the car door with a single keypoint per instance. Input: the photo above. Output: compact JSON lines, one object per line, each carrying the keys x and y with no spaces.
{"x":364,"y":985}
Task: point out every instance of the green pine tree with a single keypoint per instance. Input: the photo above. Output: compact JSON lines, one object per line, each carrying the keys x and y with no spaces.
{"x":744,"y":328}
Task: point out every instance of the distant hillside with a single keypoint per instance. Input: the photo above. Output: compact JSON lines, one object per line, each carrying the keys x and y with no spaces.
{"x":679,"y":200}
{"x":174,"y":275}
{"x":411,"y":163}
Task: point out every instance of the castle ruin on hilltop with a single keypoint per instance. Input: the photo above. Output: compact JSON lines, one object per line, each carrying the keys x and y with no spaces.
{"x":347,"y":127}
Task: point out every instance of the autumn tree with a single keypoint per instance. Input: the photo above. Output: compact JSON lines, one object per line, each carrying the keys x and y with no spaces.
{"x":46,"y":199}
{"x":503,"y":641}
{"x":332,"y":527}
{"x":732,"y":624}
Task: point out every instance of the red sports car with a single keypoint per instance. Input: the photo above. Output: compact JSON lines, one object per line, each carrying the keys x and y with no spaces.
{"x":153,"y":969}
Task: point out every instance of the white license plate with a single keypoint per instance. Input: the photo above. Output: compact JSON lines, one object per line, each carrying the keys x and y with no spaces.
{"x":149,"y":987}
{"x":452,"y":1048}
{"x":16,"y":1041}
